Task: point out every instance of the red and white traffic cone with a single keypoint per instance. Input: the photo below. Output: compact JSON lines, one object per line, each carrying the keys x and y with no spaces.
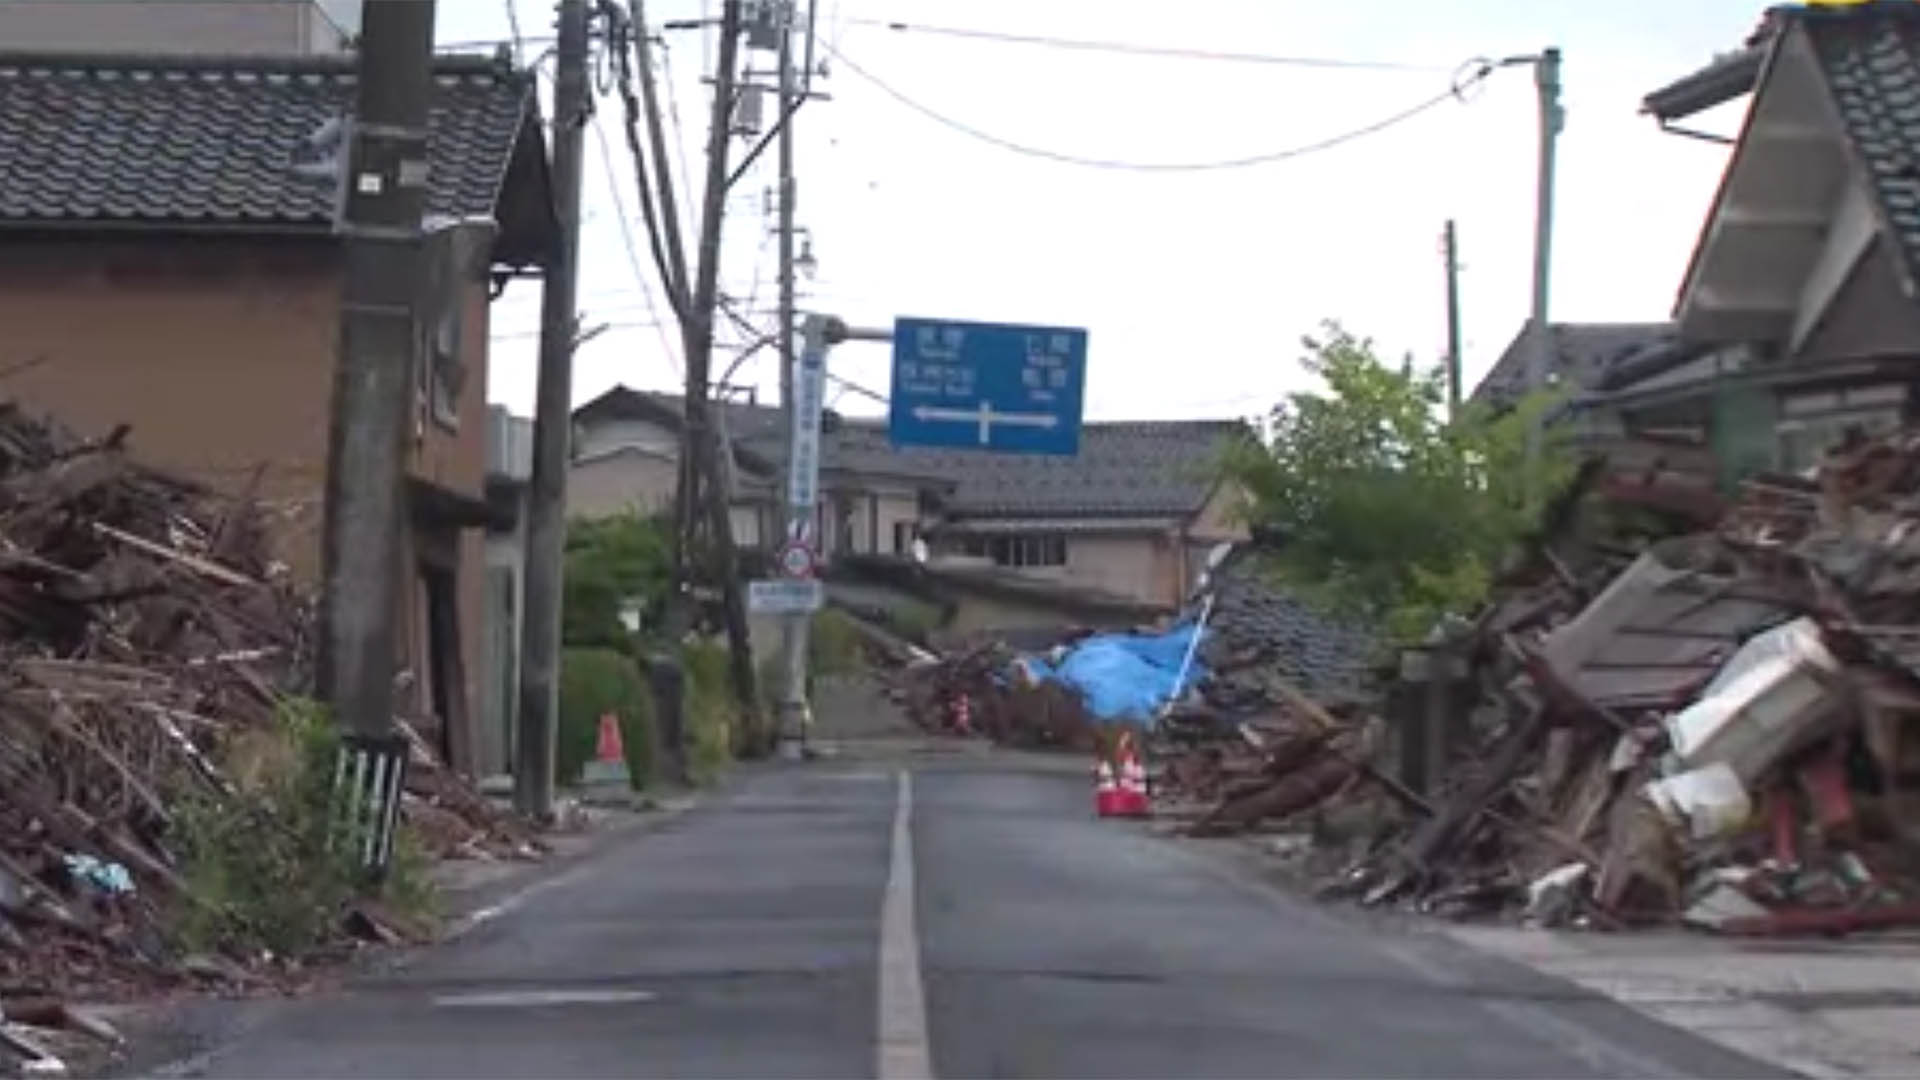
{"x":1132,"y":799}
{"x":1106,"y":796}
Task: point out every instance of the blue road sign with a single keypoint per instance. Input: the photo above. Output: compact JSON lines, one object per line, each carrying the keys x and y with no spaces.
{"x":984,"y":386}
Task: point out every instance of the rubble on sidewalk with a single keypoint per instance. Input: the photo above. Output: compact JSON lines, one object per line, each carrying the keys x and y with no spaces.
{"x":144,"y":634}
{"x":1708,"y":728}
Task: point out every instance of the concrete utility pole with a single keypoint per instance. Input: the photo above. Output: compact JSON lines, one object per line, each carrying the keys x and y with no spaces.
{"x":792,"y":713}
{"x":552,"y":430}
{"x":385,"y":197}
{"x":1546,"y":80}
{"x":818,"y":334}
{"x":1450,"y":252}
{"x":787,"y":193}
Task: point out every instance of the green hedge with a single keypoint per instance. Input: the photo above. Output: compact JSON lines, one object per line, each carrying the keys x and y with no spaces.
{"x":710,"y":709}
{"x":595,"y":681}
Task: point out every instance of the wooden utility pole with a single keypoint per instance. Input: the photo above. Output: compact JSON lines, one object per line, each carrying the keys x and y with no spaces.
{"x":698,"y":329}
{"x":1450,"y":252}
{"x":701,"y":495}
{"x":539,"y":704}
{"x":385,"y":197}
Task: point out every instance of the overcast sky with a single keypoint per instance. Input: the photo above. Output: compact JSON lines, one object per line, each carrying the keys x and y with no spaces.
{"x":1195,"y":287}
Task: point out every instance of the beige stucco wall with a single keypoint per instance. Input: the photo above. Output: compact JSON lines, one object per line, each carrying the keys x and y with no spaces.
{"x":206,"y":27}
{"x":220,"y":357}
{"x":630,"y":479}
{"x":1126,"y":565}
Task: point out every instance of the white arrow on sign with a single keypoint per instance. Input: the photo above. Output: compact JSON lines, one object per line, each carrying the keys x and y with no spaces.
{"x":986,"y":417}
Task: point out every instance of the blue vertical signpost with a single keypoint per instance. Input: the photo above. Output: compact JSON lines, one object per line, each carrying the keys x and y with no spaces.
{"x":987,"y":386}
{"x":958,"y":385}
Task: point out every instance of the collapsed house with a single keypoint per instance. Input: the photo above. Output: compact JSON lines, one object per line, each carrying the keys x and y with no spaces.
{"x":1709,"y":727}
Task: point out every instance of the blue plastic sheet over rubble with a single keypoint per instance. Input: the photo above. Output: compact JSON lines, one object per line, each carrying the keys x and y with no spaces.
{"x":1124,"y":679}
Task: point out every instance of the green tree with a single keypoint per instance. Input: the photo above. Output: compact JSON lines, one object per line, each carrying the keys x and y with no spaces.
{"x":612,"y":563}
{"x":1383,"y":508}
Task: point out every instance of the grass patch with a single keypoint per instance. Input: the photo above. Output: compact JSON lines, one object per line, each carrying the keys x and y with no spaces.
{"x":263,"y":869}
{"x":833,"y":644}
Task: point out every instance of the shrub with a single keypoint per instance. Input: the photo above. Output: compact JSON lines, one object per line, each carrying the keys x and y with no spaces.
{"x":710,"y":709}
{"x":593,"y":682}
{"x":263,"y":868}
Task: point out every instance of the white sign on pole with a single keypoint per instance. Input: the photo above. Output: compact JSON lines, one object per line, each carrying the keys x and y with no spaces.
{"x":785,"y":596}
{"x":809,"y":392}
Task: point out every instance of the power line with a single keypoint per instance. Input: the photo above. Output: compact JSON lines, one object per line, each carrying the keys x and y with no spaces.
{"x":1476,"y":71}
{"x":611,"y":324}
{"x":673,"y":118}
{"x":626,"y":241}
{"x":513,"y":27}
{"x":1135,"y":49}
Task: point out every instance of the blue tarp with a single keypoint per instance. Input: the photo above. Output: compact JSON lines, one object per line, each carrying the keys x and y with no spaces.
{"x":1124,"y":678}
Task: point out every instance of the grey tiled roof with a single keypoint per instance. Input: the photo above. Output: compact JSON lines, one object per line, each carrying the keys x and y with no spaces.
{"x":1136,"y":469}
{"x":209,"y":142}
{"x":1131,"y":467}
{"x":759,"y":432}
{"x":1871,"y":56}
{"x":1258,"y":626}
{"x":1581,"y":353}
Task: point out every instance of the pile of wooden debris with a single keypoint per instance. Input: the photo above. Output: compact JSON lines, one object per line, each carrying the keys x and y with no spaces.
{"x":143,"y":632}
{"x":1713,"y":728}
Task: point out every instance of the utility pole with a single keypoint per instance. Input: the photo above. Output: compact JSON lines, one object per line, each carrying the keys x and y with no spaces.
{"x":1450,"y":252}
{"x":386,"y":196}
{"x":539,"y":703}
{"x":699,"y":489}
{"x":1546,"y":80}
{"x":792,"y":723}
{"x":787,"y":193}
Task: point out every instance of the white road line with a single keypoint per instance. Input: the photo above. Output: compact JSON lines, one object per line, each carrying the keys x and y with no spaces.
{"x":527,"y":999}
{"x":901,"y":1051}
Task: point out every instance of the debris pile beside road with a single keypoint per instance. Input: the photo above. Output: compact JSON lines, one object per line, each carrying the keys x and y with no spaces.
{"x":1713,"y":727}
{"x":146,"y":645}
{"x":1057,"y":688}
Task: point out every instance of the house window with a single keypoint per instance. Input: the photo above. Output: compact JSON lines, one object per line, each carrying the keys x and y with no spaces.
{"x":902,"y":537}
{"x":445,"y":375}
{"x":1025,"y":551}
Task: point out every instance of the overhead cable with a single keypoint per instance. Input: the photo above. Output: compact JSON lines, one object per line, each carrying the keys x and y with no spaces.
{"x":1472,"y":74}
{"x":1128,"y":48}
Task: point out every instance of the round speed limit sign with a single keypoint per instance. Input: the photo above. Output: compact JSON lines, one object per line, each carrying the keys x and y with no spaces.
{"x":796,"y":560}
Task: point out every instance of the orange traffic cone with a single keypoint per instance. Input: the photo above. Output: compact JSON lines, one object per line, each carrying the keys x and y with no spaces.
{"x":1106,"y":797}
{"x":1132,"y":798}
{"x":609,"y":764}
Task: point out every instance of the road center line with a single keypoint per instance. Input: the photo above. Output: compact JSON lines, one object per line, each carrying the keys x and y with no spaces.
{"x":901,"y":1051}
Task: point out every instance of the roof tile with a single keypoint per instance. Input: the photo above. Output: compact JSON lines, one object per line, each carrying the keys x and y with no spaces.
{"x":1871,"y":56}
{"x":211,"y":141}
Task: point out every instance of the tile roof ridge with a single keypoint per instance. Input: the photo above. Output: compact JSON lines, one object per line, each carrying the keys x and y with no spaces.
{"x":237,"y":63}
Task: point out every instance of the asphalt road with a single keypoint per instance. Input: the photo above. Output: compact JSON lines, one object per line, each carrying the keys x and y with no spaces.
{"x":752,"y":937}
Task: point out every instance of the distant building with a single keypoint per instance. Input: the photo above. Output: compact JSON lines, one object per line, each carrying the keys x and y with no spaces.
{"x":1123,"y":527}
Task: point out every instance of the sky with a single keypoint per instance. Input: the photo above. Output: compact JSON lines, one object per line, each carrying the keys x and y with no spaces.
{"x":1195,"y":287}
